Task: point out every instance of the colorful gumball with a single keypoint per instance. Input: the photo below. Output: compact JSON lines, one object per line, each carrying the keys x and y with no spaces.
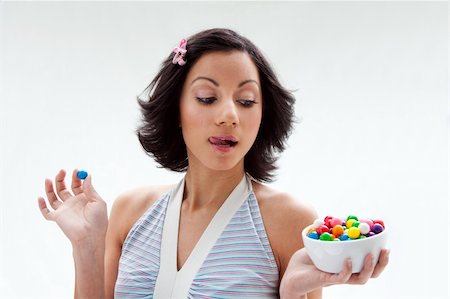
{"x":323,"y":229}
{"x":356,"y":223}
{"x":313,"y":235}
{"x":350,"y":223}
{"x":335,"y":221}
{"x":353,"y":232}
{"x":343,"y":237}
{"x":337,"y":230}
{"x":368,"y":221}
{"x":311,"y":229}
{"x":370,"y":234}
{"x":377,"y":228}
{"x":317,"y":223}
{"x":352,"y":217}
{"x":379,"y":222}
{"x":326,"y":220}
{"x":326,"y":237}
{"x":364,"y":228}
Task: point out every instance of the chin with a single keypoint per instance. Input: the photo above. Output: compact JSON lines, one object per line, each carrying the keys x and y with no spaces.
{"x":216,"y":162}
{"x":222,"y":167}
{"x":222,"y":164}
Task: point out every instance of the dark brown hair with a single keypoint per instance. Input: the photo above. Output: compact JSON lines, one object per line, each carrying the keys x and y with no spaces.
{"x":160,"y":134}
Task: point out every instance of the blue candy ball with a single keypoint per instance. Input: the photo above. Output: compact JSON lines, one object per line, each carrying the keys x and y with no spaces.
{"x":313,"y":235}
{"x":82,"y":174}
{"x":343,"y":237}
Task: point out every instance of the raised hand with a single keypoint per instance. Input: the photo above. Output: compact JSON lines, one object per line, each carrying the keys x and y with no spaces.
{"x":82,"y":214}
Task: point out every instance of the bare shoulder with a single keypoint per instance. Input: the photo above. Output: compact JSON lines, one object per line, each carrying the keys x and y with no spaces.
{"x":284,"y":216}
{"x":282,"y":209}
{"x":131,"y":205}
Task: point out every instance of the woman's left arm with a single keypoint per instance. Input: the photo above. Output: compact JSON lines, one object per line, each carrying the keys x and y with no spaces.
{"x":299,"y":277}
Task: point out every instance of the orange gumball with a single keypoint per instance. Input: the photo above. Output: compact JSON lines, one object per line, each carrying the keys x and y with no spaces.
{"x":337,"y":230}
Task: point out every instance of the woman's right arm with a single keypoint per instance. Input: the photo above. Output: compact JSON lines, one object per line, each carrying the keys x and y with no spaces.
{"x":82,"y":216}
{"x":97,"y":245}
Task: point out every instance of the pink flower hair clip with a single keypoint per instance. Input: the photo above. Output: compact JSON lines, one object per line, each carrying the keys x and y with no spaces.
{"x":180,"y":52}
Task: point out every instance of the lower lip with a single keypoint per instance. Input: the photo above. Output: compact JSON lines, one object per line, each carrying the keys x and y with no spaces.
{"x":221,"y":148}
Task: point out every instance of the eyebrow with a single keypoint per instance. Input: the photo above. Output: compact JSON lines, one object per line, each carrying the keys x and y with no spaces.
{"x":217,"y":84}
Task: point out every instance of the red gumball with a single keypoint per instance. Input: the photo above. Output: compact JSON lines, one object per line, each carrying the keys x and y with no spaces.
{"x":323,"y":229}
{"x":327,"y":220}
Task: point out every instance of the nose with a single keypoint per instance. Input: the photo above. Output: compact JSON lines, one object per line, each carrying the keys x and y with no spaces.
{"x":227,"y":114}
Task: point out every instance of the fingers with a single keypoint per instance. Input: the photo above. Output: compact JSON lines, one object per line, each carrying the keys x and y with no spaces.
{"x":61,"y":189}
{"x":76,"y":183}
{"x":383,"y":260}
{"x":363,"y":276}
{"x":52,"y":198}
{"x":346,"y":272}
{"x":89,"y":189}
{"x":44,"y":210}
{"x":342,"y":277}
{"x":370,"y":270}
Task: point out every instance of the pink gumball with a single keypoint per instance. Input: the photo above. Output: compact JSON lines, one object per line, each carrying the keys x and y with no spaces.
{"x":335,"y":221}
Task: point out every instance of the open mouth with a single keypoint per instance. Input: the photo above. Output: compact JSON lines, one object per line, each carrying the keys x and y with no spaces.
{"x":223,"y":141}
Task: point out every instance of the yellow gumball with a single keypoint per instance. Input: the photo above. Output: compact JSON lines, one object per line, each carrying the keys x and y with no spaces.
{"x":353,"y":232}
{"x":349,"y":223}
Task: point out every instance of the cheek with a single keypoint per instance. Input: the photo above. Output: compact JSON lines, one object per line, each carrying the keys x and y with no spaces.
{"x":254,"y":122}
{"x":192,"y":119}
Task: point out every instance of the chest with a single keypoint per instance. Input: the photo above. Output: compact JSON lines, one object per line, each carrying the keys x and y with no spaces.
{"x":191,"y":228}
{"x":211,"y":255}
{"x":193,"y":225}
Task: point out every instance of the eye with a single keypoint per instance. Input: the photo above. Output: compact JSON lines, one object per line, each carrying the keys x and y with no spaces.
{"x":208,"y":100}
{"x":247,"y":103}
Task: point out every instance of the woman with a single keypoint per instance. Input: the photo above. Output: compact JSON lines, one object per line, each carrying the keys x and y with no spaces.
{"x":217,"y":112}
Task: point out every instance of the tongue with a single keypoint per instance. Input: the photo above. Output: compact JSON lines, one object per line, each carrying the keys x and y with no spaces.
{"x":222,"y":142}
{"x":222,"y":145}
{"x":218,"y":141}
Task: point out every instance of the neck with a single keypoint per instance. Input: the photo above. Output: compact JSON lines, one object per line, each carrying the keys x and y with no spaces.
{"x":206,"y":188}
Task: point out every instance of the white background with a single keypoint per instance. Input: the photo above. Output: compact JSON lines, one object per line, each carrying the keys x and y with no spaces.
{"x":371,"y":87}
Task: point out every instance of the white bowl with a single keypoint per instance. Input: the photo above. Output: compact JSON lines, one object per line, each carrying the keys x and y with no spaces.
{"x":329,"y":256}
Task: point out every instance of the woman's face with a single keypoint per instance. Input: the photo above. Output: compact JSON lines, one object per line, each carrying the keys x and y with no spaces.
{"x":221,"y":109}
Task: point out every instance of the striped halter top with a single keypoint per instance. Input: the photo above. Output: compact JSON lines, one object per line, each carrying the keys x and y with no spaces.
{"x":232,"y":259}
